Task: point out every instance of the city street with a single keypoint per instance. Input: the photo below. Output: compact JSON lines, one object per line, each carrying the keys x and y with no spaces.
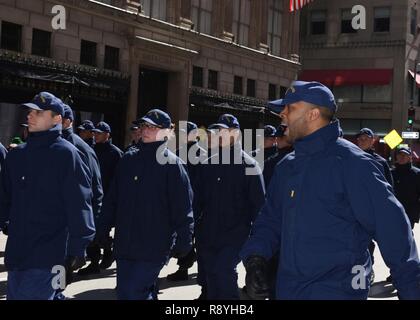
{"x":101,"y":287}
{"x":138,"y":113}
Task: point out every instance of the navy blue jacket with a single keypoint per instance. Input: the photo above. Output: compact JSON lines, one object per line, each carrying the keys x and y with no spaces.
{"x":194,"y":155}
{"x":90,"y":142}
{"x":108,"y":156}
{"x":385,"y":166}
{"x":227,"y":200}
{"x":325,"y":203}
{"x":45,"y":194}
{"x":407,"y":189}
{"x":268,"y":152}
{"x":149,"y":203}
{"x":132,"y":145}
{"x":92,"y":163}
{"x":271,"y":163}
{"x":3,"y":153}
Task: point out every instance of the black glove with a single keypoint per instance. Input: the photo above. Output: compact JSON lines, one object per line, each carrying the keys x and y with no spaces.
{"x":179,"y":254}
{"x":74,"y":263}
{"x":256,"y":278}
{"x":5,"y":229}
{"x":104,"y":242}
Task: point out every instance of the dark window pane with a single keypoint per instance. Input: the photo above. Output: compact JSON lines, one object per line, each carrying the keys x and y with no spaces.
{"x":88,"y":53}
{"x":303,"y":25}
{"x":238,"y":85}
{"x":382,"y":24}
{"x":272,"y":91}
{"x":283,"y":91}
{"x":346,"y":27}
{"x":318,"y":27}
{"x":11,"y":36}
{"x":346,"y":19}
{"x":413,"y":25}
{"x":250,"y":88}
{"x":41,"y":43}
{"x":197,"y":79}
{"x":212,"y":80}
{"x":318,"y":22}
{"x":382,"y":19}
{"x":112,"y":58}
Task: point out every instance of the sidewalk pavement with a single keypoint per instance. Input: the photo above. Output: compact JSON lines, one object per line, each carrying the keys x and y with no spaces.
{"x":102,"y":286}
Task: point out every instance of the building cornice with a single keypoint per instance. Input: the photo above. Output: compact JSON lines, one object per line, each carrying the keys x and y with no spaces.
{"x":353,"y":44}
{"x":138,"y":20}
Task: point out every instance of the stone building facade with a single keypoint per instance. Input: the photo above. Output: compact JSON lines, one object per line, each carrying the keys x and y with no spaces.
{"x":369,"y":70}
{"x":119,"y":58}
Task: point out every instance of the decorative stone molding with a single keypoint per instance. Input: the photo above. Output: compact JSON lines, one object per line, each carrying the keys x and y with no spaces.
{"x":186,"y":23}
{"x":133,"y":6}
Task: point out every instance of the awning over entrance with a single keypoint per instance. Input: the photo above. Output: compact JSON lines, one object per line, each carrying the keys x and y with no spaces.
{"x":37,"y":74}
{"x":353,"y":77}
{"x":417,"y":78}
{"x":207,"y":105}
{"x":225,"y":102}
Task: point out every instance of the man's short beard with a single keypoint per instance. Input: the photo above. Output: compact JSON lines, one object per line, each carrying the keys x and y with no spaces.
{"x":299,"y":133}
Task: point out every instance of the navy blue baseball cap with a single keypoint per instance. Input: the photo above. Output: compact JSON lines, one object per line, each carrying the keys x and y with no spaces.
{"x":157,"y":118}
{"x":86,"y":125}
{"x":405,"y":150}
{"x":102,"y":127}
{"x":191,"y":126}
{"x":212,"y":128}
{"x":269,"y":131}
{"x":46,"y":101}
{"x":280,"y":131}
{"x":68,"y":113}
{"x":367,"y":132}
{"x":311,"y":92}
{"x":228,"y":121}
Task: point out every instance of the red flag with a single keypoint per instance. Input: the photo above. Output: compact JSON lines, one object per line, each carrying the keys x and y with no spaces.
{"x":298,"y":4}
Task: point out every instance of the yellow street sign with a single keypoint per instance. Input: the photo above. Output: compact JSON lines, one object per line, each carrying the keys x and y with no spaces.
{"x":393,"y":139}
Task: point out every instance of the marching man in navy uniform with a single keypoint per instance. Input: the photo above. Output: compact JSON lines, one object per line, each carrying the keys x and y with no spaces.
{"x":89,"y":157}
{"x":45,"y":194}
{"x":108,"y":156}
{"x":150,"y":202}
{"x":269,"y":145}
{"x":227,"y":200}
{"x":325,"y":203}
{"x":86,"y":133}
{"x":189,"y":147}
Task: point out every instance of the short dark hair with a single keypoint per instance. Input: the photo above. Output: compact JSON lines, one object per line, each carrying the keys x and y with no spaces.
{"x":326,"y":113}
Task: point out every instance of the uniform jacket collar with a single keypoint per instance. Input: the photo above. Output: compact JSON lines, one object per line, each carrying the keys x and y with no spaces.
{"x":151,"y":147}
{"x":44,"y":138}
{"x":403,"y":167}
{"x":319,"y":140}
{"x":103,"y":146}
{"x":67,"y":132}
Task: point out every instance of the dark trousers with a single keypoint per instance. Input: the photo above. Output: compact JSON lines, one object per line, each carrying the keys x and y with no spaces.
{"x":136,"y":280}
{"x":372,"y":247}
{"x":93,"y":252}
{"x":188,"y":261}
{"x":32,"y":284}
{"x":219,"y":269}
{"x":272,"y":268}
